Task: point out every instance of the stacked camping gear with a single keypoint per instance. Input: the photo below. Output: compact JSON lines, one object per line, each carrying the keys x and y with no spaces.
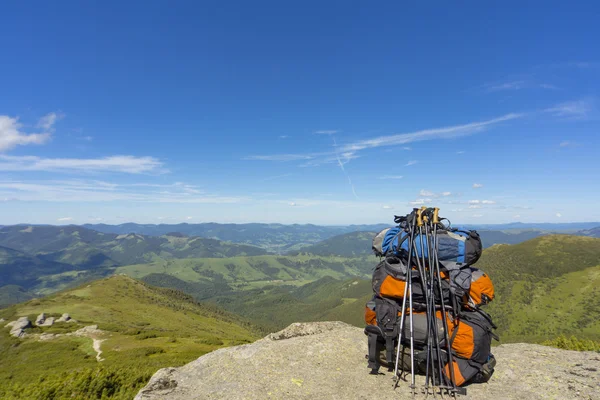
{"x":426,"y":308}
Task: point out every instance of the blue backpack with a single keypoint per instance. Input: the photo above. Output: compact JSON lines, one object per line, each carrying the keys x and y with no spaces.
{"x":454,"y":245}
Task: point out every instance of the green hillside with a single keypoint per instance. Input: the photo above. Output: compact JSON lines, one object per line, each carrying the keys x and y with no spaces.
{"x":543,"y":285}
{"x":251,"y":272}
{"x":275,"y":307}
{"x":354,"y":244}
{"x":146,"y":328}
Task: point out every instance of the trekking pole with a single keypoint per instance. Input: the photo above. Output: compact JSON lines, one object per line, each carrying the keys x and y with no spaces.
{"x":432,"y":279}
{"x":454,"y":389}
{"x":429,"y":354}
{"x":411,"y":229}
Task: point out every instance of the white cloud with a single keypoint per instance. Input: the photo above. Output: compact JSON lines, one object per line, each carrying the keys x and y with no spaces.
{"x":283,"y":136}
{"x":474,"y":201}
{"x":189,"y":218}
{"x":47,"y":121}
{"x":477,"y":185}
{"x":12,"y":136}
{"x":326,"y":132}
{"x":387,"y":207}
{"x":64,"y":219}
{"x":390,"y":177}
{"x":477,"y":215}
{"x":488,"y":202}
{"x":426,"y":193}
{"x":412,"y":162}
{"x":474,"y":206}
{"x":446,"y":194}
{"x":406,"y":148}
{"x":292,"y":204}
{"x":579,"y":109}
{"x":449,"y":132}
{"x":460,"y":152}
{"x":125,"y":164}
{"x":516,"y":216}
{"x":547,"y":86}
{"x":420,"y":202}
{"x":559,"y":215}
{"x":457,"y":210}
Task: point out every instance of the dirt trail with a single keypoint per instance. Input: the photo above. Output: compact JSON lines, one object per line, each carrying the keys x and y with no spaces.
{"x":96,"y":345}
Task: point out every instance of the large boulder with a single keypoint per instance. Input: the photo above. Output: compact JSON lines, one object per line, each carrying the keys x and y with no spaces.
{"x":326,"y":360}
{"x":18,"y":327}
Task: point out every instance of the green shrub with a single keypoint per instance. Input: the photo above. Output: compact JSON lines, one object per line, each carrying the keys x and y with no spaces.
{"x":573,"y":343}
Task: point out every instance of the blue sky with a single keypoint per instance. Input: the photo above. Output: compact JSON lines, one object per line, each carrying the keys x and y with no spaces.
{"x":323,"y":112}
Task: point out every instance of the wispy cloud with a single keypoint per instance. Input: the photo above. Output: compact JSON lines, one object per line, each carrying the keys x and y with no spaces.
{"x":579,"y":109}
{"x":584,"y":64}
{"x":12,"y":135}
{"x":349,"y":150}
{"x":412,"y":162}
{"x":517,"y":85}
{"x":568,"y":143}
{"x":420,"y":202}
{"x":326,"y":132}
{"x":513,"y":85}
{"x":65,"y":219}
{"x":386,"y":177}
{"x":386,"y":207}
{"x":98,"y":191}
{"x":286,"y":157}
{"x":477,"y":185}
{"x":124,"y":164}
{"x":272,"y":178}
{"x":283,"y":136}
{"x":47,"y":121}
{"x":548,"y":86}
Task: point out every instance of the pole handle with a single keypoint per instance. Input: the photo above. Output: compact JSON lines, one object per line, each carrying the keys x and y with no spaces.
{"x":419,"y":217}
{"x":436,"y":217}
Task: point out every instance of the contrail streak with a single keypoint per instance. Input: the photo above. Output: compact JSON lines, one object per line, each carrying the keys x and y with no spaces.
{"x":341,"y":164}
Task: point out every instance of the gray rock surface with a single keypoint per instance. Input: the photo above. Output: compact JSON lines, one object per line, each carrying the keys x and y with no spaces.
{"x":47,"y":322}
{"x":64,"y":318}
{"x":326,"y":360}
{"x":18,"y":327}
{"x":40,"y":319}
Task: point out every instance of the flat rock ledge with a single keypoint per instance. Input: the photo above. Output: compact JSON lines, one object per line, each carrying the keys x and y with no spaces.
{"x":326,"y":360}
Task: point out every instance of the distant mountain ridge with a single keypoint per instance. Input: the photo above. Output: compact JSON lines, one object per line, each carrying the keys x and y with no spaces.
{"x":46,"y":258}
{"x":272,"y":237}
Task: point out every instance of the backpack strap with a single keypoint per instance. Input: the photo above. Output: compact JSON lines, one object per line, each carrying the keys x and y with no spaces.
{"x":373,"y":333}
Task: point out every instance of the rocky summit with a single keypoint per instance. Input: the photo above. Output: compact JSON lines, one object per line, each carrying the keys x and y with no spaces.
{"x":326,"y":360}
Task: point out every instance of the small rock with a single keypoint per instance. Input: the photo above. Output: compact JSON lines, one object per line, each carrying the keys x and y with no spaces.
{"x":64,"y":318}
{"x":40,"y":319}
{"x":1,"y":320}
{"x":47,"y":336}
